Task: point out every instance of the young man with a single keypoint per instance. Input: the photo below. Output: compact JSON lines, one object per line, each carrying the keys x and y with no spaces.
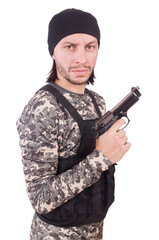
{"x":69,"y":174}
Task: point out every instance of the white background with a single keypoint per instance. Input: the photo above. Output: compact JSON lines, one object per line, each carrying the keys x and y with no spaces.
{"x":129,"y":56}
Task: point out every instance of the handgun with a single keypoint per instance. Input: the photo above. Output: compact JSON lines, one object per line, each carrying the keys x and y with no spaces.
{"x":119,"y":111}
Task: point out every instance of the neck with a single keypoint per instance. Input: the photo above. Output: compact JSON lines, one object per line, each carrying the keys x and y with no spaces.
{"x":71,"y":87}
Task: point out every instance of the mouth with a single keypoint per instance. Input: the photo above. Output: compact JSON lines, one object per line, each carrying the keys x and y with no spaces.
{"x":80,"y":70}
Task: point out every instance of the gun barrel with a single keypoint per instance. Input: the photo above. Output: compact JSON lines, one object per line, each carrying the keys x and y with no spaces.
{"x":127,"y":102}
{"x":119,"y":111}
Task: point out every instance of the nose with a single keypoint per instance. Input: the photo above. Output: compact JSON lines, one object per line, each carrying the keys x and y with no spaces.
{"x":81,"y":57}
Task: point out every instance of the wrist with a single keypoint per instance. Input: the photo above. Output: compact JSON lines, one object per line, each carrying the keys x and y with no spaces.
{"x":106,"y":162}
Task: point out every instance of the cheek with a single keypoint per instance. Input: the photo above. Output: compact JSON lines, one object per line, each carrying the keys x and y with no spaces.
{"x":63,"y":60}
{"x":95,"y":57}
{"x":92,"y":60}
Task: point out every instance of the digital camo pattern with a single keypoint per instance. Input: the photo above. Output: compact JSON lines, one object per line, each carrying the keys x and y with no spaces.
{"x":44,"y":231}
{"x":46,"y":132}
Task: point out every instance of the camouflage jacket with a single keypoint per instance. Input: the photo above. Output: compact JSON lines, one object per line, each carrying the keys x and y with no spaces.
{"x":46,"y":132}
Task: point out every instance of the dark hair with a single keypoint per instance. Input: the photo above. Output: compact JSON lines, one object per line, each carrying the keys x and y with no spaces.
{"x":53,"y":75}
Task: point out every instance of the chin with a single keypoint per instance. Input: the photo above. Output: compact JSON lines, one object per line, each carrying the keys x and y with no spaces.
{"x":78,"y":81}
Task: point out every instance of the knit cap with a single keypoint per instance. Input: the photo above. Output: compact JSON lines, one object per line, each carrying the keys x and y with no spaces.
{"x":71,"y":21}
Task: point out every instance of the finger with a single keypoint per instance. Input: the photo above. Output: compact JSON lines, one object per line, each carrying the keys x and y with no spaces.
{"x":127,"y":146}
{"x":124,"y":140}
{"x":121,"y":133}
{"x":115,"y":127}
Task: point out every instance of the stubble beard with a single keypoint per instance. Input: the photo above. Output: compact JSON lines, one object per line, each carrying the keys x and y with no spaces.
{"x":66,"y":74}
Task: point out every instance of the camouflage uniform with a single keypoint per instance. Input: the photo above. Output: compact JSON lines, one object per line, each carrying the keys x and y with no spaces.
{"x":47,"y":131}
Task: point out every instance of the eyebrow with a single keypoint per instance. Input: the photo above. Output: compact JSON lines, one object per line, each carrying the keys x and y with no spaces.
{"x":75,"y":44}
{"x":95,"y":41}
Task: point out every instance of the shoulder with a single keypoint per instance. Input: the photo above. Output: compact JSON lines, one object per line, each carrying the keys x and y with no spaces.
{"x":96,"y":95}
{"x":43,"y":105}
{"x":41,"y":100}
{"x":100,"y":101}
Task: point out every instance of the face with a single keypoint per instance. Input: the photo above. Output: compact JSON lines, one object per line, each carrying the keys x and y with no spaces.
{"x":75,"y":57}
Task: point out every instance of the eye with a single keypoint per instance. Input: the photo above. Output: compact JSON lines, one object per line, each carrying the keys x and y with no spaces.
{"x":90,"y":47}
{"x":69,"y":47}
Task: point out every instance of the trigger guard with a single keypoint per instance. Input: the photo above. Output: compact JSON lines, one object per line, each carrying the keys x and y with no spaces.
{"x":128,"y":120}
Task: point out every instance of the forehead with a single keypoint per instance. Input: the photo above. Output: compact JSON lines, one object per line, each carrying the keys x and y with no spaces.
{"x":78,"y":38}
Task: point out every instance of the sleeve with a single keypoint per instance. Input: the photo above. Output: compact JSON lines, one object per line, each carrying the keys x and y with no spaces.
{"x":38,"y":131}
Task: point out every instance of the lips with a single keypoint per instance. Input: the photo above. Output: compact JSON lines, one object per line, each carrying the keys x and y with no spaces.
{"x":80,"y":70}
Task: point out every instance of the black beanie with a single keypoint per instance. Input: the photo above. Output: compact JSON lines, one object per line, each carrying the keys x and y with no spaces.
{"x":71,"y":21}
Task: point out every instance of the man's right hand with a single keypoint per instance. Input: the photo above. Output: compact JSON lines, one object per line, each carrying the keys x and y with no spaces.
{"x":113,"y":143}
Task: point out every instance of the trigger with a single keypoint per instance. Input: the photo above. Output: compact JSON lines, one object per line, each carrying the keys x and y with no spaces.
{"x":127,"y":120}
